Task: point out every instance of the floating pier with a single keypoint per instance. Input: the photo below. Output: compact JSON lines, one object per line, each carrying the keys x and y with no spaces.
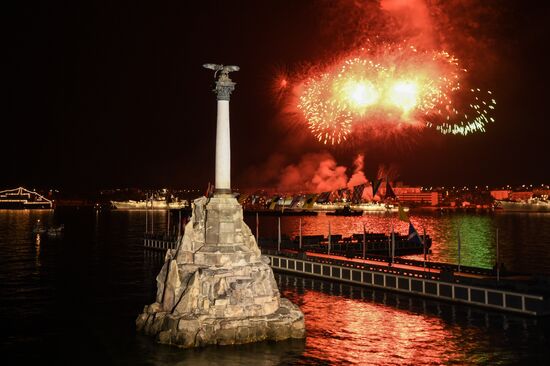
{"x":442,"y":281}
{"x":464,"y":287}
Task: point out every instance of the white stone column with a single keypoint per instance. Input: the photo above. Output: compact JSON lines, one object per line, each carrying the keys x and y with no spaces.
{"x":223,"y":149}
{"x":223,"y":89}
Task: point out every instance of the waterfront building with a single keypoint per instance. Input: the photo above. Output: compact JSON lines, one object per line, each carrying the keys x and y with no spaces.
{"x":501,"y":194}
{"x":416,"y":195}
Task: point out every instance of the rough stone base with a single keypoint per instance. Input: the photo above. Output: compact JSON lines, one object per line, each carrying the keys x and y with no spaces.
{"x":191,"y":331}
{"x":216,"y":288}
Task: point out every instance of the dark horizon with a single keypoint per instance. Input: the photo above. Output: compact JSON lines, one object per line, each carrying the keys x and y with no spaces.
{"x":114,"y":95}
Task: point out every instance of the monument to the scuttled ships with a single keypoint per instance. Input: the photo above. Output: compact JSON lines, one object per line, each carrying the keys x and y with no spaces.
{"x":215,"y":287}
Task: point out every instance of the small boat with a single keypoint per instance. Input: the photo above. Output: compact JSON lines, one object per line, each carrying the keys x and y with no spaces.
{"x":345,"y":211}
{"x":55,"y":231}
{"x":39,"y":228}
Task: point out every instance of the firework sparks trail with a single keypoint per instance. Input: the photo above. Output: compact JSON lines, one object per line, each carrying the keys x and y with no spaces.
{"x":328,"y":120}
{"x":479,"y":116}
{"x":389,"y":87}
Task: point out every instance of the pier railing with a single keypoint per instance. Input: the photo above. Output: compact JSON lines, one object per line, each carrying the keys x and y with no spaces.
{"x":413,"y":282}
{"x":160,"y":241}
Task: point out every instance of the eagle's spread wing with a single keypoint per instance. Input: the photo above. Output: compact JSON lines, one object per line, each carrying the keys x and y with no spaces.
{"x":215,"y":67}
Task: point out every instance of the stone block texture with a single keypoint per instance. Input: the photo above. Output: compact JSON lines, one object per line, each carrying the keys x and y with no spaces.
{"x":216,"y":288}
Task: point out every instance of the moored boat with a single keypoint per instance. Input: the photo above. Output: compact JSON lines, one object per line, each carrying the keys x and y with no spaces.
{"x":155,"y":204}
{"x":55,"y":231}
{"x":529,"y":205}
{"x":21,"y":198}
{"x":345,"y":211}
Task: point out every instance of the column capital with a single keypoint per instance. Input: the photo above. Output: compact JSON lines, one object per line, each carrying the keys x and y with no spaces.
{"x":224,"y":88}
{"x":224,"y":85}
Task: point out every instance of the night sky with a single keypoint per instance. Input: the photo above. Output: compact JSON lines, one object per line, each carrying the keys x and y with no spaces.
{"x":112,"y":93}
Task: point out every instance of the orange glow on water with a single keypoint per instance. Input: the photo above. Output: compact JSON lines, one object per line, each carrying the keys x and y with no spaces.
{"x":347,"y":330}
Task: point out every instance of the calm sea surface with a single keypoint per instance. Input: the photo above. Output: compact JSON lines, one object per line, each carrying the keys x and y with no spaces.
{"x":73,"y":300}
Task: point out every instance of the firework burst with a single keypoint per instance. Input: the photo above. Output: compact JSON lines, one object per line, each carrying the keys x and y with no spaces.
{"x":328,"y":120}
{"x":389,"y":87}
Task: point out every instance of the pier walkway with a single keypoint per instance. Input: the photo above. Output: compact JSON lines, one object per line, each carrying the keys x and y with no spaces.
{"x":521,"y":294}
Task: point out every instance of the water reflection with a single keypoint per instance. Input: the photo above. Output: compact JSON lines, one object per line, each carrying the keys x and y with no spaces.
{"x":97,"y":278}
{"x":37,"y":241}
{"x":347,"y":324}
{"x":523,"y":238}
{"x":287,"y":352}
{"x":355,"y":325}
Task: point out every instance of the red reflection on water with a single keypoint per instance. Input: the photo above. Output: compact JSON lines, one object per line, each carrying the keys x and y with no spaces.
{"x":373,"y":223}
{"x":343,"y":330}
{"x":383,"y":223}
{"x":477,"y":232}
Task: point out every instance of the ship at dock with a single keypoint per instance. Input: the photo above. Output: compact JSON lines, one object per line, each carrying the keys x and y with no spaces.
{"x":21,"y":198}
{"x":157,"y":203}
{"x":529,"y":205}
{"x":358,"y":209}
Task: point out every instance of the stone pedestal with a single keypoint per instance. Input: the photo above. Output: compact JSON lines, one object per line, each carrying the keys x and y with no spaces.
{"x":216,"y":288}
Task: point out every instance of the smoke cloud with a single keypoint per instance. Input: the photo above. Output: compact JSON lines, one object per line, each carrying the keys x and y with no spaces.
{"x":465,"y":28}
{"x":387,"y":171}
{"x":411,"y":20}
{"x":358,"y":176}
{"x":316,"y":172}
